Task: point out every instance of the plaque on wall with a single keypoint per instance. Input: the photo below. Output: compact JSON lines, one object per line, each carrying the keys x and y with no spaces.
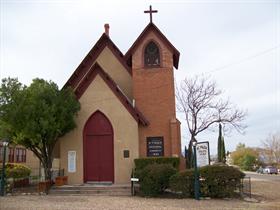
{"x":126,"y":153}
{"x":155,"y":146}
{"x":71,"y":161}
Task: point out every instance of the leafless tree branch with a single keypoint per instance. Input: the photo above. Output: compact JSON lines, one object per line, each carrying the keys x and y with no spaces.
{"x":272,"y":146}
{"x":200,"y":100}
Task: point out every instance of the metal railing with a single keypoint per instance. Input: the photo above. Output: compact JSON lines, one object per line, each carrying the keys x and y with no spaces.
{"x":245,"y":186}
{"x":134,"y":183}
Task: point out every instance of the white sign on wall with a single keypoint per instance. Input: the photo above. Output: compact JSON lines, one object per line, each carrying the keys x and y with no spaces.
{"x":71,"y":161}
{"x":202,"y":154}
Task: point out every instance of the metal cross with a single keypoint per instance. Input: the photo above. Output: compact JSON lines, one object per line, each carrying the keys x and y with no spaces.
{"x":151,"y":11}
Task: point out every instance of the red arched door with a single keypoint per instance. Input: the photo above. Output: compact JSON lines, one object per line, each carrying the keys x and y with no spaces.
{"x":98,"y":149}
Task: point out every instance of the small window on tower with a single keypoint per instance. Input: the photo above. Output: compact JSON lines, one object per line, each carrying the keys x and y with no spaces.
{"x":151,"y":55}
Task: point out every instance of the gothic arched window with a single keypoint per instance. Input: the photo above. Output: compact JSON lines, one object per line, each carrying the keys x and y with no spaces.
{"x":152,"y":55}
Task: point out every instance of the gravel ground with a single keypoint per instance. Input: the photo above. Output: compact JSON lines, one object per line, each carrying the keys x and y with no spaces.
{"x":267,"y":194}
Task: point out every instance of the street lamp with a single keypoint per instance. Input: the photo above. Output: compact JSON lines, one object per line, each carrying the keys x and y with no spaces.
{"x":5,"y":143}
{"x":196,"y":173}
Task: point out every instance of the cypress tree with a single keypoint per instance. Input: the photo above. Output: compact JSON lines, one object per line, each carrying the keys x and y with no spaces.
{"x":223,"y":151}
{"x":219,"y":149}
{"x":186,"y":156}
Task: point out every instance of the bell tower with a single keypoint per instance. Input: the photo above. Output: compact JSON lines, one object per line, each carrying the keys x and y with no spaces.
{"x":152,"y":58}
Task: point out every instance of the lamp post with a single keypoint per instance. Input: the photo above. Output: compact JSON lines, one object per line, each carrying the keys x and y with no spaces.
{"x":5,"y":143}
{"x":196,"y":174}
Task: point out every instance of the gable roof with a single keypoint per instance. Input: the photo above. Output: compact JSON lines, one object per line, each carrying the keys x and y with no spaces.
{"x":96,"y":69}
{"x":152,"y":27}
{"x":84,"y":66}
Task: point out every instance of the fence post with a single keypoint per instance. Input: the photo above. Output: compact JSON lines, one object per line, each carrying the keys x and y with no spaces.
{"x":250,"y":187}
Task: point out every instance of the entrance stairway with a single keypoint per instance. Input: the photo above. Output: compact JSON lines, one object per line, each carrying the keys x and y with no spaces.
{"x":92,"y":189}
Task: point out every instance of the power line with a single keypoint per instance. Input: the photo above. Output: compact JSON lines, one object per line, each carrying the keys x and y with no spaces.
{"x":242,"y":60}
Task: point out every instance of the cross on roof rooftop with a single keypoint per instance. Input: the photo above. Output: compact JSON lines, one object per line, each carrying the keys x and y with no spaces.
{"x":151,"y":11}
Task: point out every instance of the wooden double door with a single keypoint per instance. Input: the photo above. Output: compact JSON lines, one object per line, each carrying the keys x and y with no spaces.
{"x":98,"y":149}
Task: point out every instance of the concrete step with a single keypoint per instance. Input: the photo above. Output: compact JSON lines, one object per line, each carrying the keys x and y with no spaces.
{"x":89,"y":189}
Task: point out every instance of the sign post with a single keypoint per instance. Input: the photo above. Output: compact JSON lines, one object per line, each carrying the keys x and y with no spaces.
{"x":196,"y":173}
{"x":201,"y":158}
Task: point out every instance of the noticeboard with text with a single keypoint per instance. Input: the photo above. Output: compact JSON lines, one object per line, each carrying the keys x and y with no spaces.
{"x":155,"y":146}
{"x":202,"y":154}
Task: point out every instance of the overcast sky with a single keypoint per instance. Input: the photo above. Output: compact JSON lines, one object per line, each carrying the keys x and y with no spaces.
{"x":236,"y":43}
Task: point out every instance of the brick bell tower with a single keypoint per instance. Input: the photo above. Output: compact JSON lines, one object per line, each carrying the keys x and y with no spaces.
{"x":152,"y":58}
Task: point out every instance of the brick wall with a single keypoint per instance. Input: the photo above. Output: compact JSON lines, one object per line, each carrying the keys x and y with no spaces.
{"x":153,"y":91}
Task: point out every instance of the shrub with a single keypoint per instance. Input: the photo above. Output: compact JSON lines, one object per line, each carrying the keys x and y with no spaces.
{"x":141,"y":163}
{"x":154,"y":179}
{"x":15,"y":170}
{"x":220,"y":180}
{"x":216,"y":181}
{"x":183,"y":183}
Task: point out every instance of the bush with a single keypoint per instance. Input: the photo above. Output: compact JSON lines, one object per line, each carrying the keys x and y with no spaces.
{"x":154,"y":179}
{"x":217,"y":181}
{"x":183,"y":183}
{"x":141,"y":163}
{"x":220,"y":180}
{"x":15,"y":170}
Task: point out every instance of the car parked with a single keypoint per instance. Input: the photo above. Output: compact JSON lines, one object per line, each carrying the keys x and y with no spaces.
{"x":260,"y":170}
{"x":270,"y":170}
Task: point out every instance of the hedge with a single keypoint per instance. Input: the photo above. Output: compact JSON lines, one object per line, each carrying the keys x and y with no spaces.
{"x":154,"y":178}
{"x":141,"y":163}
{"x":183,"y":183}
{"x":220,"y":180}
{"x":216,"y":181}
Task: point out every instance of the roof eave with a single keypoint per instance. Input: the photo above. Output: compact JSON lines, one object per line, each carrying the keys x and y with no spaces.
{"x":89,"y":77}
{"x":92,"y":55}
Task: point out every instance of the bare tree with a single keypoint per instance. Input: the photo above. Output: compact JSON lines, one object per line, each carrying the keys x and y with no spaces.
{"x":201,"y":102}
{"x":272,"y":148}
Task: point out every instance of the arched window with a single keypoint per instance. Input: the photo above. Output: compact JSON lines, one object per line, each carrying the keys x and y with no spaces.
{"x":152,"y":55}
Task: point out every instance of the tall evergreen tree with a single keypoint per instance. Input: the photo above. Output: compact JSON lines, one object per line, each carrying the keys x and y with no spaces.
{"x":220,"y":140}
{"x":223,"y":151}
{"x":190,"y":157}
{"x":221,"y":146}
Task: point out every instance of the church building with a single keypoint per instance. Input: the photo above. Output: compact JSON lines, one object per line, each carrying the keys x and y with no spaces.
{"x":127,"y":108}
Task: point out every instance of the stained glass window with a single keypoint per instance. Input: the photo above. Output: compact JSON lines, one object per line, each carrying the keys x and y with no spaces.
{"x":152,"y":55}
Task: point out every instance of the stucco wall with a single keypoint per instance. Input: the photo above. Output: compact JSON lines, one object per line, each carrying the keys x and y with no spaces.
{"x":32,"y":162}
{"x":99,"y":96}
{"x":112,"y":66}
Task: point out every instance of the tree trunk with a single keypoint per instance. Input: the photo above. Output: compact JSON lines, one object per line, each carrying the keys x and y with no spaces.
{"x":190,"y":161}
{"x":47,"y":164}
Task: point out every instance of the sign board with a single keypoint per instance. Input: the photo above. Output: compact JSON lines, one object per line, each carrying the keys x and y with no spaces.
{"x":155,"y":146}
{"x":202,"y":154}
{"x":71,"y":161}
